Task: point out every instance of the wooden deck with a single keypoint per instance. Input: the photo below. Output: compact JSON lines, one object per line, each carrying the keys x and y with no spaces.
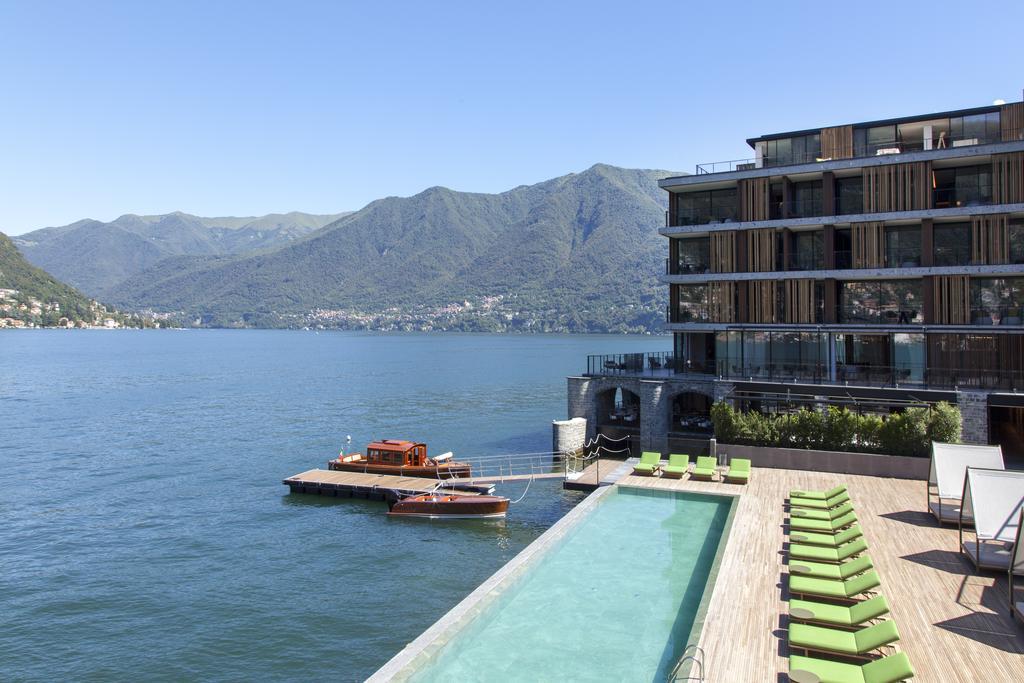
{"x":594,"y":475}
{"x":955,"y":624}
{"x":373,"y":486}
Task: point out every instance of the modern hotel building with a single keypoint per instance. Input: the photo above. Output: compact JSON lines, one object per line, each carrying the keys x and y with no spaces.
{"x":876,"y":265}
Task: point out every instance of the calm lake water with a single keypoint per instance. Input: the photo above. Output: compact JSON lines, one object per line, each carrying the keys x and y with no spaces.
{"x":146,"y":533}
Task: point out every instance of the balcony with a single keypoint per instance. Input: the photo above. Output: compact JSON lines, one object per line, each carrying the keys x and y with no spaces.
{"x":688,"y":313}
{"x":941,"y":139}
{"x":701,"y":216}
{"x":665,"y":365}
{"x":644,"y":364}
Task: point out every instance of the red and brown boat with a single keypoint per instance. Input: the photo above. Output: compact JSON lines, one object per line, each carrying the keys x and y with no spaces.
{"x":446,"y":506}
{"x":402,"y":458}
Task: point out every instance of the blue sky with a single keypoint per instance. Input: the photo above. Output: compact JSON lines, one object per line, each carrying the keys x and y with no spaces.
{"x":245,"y":108}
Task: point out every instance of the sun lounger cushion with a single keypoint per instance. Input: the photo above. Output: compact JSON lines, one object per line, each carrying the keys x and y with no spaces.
{"x":819,"y":504}
{"x":885,"y":670}
{"x":817,"y":553}
{"x":851,"y":643}
{"x":829,"y":588}
{"x":822,"y":514}
{"x":818,"y":495}
{"x":821,"y":524}
{"x":830,"y":571}
{"x":826,"y":540}
{"x":840,"y":615}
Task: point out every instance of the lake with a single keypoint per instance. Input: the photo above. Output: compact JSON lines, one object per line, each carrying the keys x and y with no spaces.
{"x":146,"y":532}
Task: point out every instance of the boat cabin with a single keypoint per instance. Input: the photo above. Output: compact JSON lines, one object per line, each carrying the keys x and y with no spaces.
{"x":398,"y":453}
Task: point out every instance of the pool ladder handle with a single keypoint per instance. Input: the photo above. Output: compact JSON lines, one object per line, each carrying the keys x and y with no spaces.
{"x":697,"y":657}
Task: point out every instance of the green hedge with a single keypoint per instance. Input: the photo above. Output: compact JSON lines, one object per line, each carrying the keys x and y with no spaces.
{"x":837,"y":429}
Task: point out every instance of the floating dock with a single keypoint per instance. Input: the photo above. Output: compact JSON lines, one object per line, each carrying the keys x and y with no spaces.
{"x":376,"y":486}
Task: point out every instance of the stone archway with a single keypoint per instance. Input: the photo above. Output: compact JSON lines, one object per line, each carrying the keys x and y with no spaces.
{"x":618,"y":407}
{"x":690,"y":414}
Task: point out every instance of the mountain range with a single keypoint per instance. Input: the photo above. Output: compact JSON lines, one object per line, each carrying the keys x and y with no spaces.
{"x":580,"y":252}
{"x":95,"y":256}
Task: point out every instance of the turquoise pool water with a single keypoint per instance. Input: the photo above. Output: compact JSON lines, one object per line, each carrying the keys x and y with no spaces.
{"x":616,"y":599}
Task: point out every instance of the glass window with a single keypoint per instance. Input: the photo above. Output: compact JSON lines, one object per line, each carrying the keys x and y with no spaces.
{"x":800,"y":149}
{"x":844,"y":247}
{"x":692,"y":303}
{"x":975,"y":129}
{"x":849,"y":195}
{"x":1017,"y":242}
{"x":714,"y":206}
{"x":694,"y":255}
{"x":952,"y":244}
{"x":756,"y":354}
{"x":997,"y":301}
{"x":908,"y":357}
{"x":881,"y":302}
{"x":964,"y":186}
{"x":903,"y":246}
{"x":806,"y":199}
{"x":867,"y":142}
{"x":807,"y":250}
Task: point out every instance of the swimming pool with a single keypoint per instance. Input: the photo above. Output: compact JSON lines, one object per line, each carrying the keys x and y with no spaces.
{"x":616,"y":598}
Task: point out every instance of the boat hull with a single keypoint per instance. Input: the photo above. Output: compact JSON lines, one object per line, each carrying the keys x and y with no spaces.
{"x":439,"y":471}
{"x":436,"y":506}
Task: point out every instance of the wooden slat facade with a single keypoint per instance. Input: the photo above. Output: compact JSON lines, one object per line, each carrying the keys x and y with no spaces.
{"x":722,"y":301}
{"x":722,"y":252}
{"x":754,"y":199}
{"x":800,"y":306}
{"x":761,"y":301}
{"x":760,"y":250}
{"x":990,"y":239}
{"x":868,"y":244}
{"x":837,"y":142}
{"x":1011,"y":121}
{"x":1008,"y":178}
{"x":975,"y":357}
{"x":951,"y":302}
{"x":897,"y":187}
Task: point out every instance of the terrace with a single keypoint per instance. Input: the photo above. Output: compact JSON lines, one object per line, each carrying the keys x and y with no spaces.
{"x":942,"y":607}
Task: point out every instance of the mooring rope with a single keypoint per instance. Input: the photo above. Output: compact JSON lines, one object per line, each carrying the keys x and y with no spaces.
{"x":525,"y":491}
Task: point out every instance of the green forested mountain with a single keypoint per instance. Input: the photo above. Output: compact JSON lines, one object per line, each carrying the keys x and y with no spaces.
{"x":579,"y":253}
{"x":31,"y":295}
{"x":95,"y":256}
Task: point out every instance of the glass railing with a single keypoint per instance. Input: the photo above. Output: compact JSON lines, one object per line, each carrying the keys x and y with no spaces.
{"x":950,"y":198}
{"x":701,"y":216}
{"x":648,"y":363}
{"x":666,"y":364}
{"x":685,"y":267}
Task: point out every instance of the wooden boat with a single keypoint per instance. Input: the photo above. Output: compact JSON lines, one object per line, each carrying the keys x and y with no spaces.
{"x":402,"y":458}
{"x":446,"y":506}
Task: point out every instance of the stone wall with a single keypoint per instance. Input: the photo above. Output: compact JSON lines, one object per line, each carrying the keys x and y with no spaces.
{"x":895,"y":466}
{"x":568,"y":436}
{"x":974,"y":411}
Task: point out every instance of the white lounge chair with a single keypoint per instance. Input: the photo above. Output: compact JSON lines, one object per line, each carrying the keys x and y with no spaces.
{"x":946,"y":476}
{"x":994,"y":499}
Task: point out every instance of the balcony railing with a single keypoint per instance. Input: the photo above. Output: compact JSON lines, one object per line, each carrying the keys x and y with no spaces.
{"x":665,"y":364}
{"x":951,"y":197}
{"x":688,"y":313}
{"x":681,"y":267}
{"x":701,"y":216}
{"x":884,"y":148}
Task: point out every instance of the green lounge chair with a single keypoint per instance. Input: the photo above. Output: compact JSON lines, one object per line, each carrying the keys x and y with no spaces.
{"x":846,"y":591}
{"x":739,"y":471}
{"x":648,"y":464}
{"x":816,"y":553}
{"x":831,"y":571}
{"x":818,"y":495}
{"x":846,"y":616}
{"x":885,"y":670}
{"x":827,"y":540}
{"x":813,"y":504}
{"x":677,"y":466}
{"x":822,"y":514}
{"x":834,"y":641}
{"x":823,"y":525}
{"x":705,"y":468}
